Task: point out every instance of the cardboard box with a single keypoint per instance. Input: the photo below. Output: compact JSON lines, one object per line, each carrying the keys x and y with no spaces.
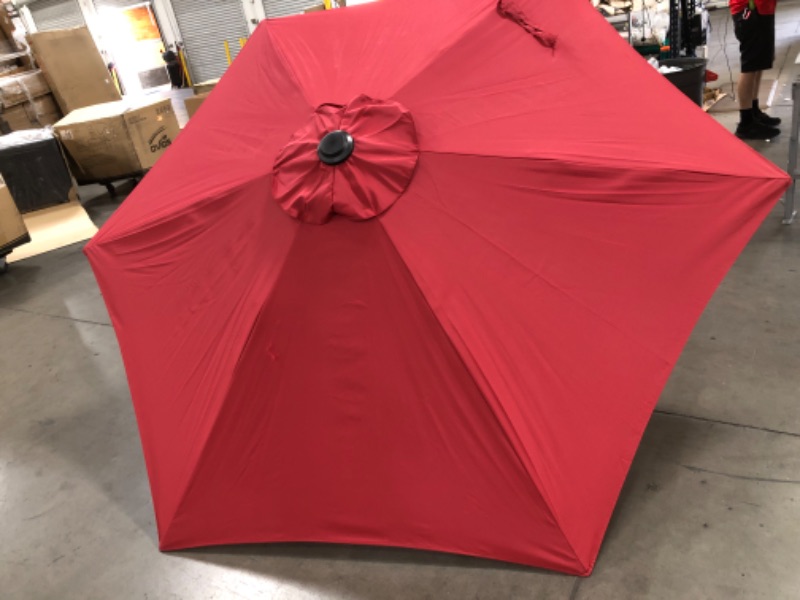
{"x":204,"y":87}
{"x":73,"y":67}
{"x":193,"y":103}
{"x":315,"y":8}
{"x":21,"y":88}
{"x":6,"y":24}
{"x":117,"y":139}
{"x":8,"y":47}
{"x":8,"y":69}
{"x":43,"y":111}
{"x":13,"y":232}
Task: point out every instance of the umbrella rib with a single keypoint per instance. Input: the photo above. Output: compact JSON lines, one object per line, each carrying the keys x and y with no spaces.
{"x":195,"y":469}
{"x":156,"y":218}
{"x":288,"y":66}
{"x":505,"y":424}
{"x":579,"y":160}
{"x":552,"y":285}
{"x":483,"y":14}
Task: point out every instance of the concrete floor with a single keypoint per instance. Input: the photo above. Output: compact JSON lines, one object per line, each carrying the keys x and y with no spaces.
{"x":711,"y":508}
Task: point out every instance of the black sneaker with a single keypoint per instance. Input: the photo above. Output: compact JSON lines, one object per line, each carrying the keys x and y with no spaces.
{"x":756,"y":131}
{"x":761,"y":117}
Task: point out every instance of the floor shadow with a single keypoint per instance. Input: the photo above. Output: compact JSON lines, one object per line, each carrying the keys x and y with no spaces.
{"x":378,"y":572}
{"x":665,"y":440}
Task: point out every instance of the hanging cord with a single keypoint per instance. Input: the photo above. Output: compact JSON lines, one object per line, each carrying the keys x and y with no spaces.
{"x":650,"y":18}
{"x":725,"y":53}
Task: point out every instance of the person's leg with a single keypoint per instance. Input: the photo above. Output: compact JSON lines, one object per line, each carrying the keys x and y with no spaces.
{"x":751,"y":125}
{"x":768,"y":57}
{"x":758,"y":113}
{"x":746,"y":90}
{"x":756,"y":86}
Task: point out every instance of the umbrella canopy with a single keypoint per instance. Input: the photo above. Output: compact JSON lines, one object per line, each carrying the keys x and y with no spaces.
{"x":415,"y":275}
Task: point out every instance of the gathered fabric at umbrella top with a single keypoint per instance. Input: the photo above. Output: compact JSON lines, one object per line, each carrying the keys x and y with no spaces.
{"x":415,"y":275}
{"x":319,"y":174}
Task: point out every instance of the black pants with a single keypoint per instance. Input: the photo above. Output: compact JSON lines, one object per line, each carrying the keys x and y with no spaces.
{"x":756,"y":35}
{"x":175,"y":74}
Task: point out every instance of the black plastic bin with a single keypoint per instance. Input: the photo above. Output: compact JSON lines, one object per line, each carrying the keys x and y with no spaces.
{"x":692,"y":80}
{"x":34,"y":170}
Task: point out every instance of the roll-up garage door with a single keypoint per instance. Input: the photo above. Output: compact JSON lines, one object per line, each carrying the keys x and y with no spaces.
{"x":118,"y":3}
{"x":283,"y":8}
{"x":204,"y":28}
{"x":56,"y":14}
{"x":99,"y":4}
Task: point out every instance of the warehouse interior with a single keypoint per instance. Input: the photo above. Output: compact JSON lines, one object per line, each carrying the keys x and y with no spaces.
{"x":710,"y":508}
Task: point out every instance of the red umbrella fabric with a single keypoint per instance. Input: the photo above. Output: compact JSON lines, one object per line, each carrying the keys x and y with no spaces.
{"x":415,"y":275}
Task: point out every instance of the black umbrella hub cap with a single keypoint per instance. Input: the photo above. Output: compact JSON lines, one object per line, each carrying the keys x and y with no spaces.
{"x":354,"y":161}
{"x":336,"y":147}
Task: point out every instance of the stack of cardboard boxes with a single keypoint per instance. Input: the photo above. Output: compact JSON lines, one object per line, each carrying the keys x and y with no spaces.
{"x":25,"y":98}
{"x":13,"y":58}
{"x":27,"y":102}
{"x":105,"y":138}
{"x":102,"y":138}
{"x":48,"y":76}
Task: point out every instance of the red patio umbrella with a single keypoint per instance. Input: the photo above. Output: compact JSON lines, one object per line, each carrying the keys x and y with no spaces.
{"x":415,"y":275}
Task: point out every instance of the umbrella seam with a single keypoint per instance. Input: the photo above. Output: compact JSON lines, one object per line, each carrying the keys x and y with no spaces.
{"x":571,"y":159}
{"x":508,"y":428}
{"x":288,"y":65}
{"x":554,"y":286}
{"x":490,"y":10}
{"x":193,"y":474}
{"x":166,"y":216}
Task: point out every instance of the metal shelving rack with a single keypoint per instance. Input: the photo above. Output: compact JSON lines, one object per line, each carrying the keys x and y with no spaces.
{"x":623,"y":24}
{"x":681,"y":13}
{"x":674,"y":29}
{"x":789,"y":212}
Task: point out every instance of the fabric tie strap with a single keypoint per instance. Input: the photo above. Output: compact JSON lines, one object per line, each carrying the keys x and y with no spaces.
{"x":511,"y":9}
